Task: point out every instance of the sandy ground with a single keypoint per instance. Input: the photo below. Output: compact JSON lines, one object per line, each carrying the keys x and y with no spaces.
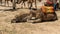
{"x":6,"y":27}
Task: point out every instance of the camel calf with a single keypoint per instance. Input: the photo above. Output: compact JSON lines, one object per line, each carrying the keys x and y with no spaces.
{"x":26,"y":17}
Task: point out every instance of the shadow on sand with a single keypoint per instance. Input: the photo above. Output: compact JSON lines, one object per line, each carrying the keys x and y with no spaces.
{"x":36,"y":22}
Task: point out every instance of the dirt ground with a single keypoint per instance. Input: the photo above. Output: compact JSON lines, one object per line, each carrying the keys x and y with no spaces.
{"x":6,"y":27}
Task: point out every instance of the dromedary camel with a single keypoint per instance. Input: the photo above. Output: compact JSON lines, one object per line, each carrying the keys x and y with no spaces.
{"x":26,"y":17}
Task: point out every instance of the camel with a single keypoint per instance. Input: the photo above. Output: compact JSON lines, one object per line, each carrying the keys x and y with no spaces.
{"x":26,"y":17}
{"x":34,"y":16}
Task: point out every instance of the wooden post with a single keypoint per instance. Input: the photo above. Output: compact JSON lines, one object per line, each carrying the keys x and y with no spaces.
{"x":14,"y":4}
